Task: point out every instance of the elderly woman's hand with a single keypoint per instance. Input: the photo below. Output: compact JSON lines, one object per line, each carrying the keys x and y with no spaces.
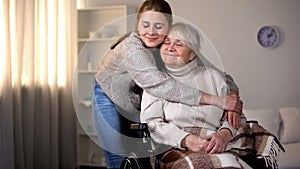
{"x":218,"y":141}
{"x":195,"y":143}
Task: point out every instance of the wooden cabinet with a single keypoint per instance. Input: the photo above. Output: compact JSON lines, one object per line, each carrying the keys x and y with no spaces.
{"x":98,"y":28}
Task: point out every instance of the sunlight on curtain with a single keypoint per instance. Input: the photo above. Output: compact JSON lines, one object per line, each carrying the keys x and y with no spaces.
{"x":14,"y":45}
{"x":52,"y":40}
{"x":62,"y":45}
{"x":45,"y":35}
{"x":36,"y":72}
{"x":51,"y":48}
{"x":40,"y":43}
{"x":3,"y":44}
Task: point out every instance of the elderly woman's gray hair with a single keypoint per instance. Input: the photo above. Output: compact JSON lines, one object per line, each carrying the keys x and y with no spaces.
{"x":187,"y":33}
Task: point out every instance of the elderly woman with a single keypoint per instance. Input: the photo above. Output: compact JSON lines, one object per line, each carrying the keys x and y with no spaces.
{"x":200,"y":130}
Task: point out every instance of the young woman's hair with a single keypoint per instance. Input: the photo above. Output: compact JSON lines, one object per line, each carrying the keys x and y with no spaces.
{"x":154,"y":5}
{"x":157,"y":6}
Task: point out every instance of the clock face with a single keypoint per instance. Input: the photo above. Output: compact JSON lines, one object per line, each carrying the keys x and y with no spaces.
{"x":268,"y":36}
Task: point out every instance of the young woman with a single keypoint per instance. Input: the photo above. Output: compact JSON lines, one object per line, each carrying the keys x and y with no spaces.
{"x":115,"y":96}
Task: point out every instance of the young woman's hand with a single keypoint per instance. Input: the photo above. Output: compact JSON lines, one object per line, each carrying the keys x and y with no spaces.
{"x":231,"y":102}
{"x":233,"y":118}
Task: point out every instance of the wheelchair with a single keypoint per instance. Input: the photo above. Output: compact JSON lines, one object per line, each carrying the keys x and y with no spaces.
{"x":137,"y":161}
{"x":134,"y":161}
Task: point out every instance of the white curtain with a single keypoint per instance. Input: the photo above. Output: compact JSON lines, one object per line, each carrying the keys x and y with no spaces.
{"x":37,"y":119}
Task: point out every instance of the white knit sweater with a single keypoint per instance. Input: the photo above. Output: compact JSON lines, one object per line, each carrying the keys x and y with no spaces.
{"x":166,"y":119}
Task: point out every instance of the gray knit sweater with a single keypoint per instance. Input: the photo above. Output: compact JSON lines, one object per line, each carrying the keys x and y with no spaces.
{"x":131,"y":61}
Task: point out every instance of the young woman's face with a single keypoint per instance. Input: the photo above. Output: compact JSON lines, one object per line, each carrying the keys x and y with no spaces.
{"x":175,"y":53}
{"x":152,"y":27}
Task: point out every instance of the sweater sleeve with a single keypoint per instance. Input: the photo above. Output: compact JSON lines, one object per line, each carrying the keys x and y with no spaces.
{"x":141,"y":66}
{"x":162,"y":132}
{"x":230,"y":82}
{"x":228,"y":78}
{"x":233,"y":131}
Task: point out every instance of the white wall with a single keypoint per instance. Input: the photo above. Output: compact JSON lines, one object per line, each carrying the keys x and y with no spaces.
{"x":268,"y":78}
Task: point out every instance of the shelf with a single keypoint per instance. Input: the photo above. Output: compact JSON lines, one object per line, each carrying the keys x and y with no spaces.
{"x":87,"y":134}
{"x":97,"y":39}
{"x":87,"y":71}
{"x":112,"y":7}
{"x":84,"y":133}
{"x":90,"y":166}
{"x":86,"y":103}
{"x":93,"y":19}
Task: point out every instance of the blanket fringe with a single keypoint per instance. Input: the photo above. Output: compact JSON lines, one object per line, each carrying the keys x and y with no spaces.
{"x":270,"y":153}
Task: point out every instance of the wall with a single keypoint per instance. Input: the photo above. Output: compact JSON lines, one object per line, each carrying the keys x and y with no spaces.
{"x":268,"y":78}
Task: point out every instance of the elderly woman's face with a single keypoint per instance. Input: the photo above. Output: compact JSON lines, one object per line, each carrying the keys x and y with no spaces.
{"x":175,"y":53}
{"x":152,"y":27}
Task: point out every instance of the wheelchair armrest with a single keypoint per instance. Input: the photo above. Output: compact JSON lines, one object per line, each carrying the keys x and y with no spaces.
{"x":252,"y":121}
{"x":141,"y":127}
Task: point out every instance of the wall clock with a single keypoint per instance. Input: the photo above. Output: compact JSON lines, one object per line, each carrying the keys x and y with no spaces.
{"x":268,"y":36}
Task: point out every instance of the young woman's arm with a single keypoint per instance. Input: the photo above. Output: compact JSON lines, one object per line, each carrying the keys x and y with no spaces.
{"x":140,"y":64}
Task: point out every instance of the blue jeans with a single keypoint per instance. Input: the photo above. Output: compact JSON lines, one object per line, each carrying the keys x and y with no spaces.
{"x":112,"y":129}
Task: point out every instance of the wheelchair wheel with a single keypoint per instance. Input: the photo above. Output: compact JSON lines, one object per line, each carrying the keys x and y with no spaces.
{"x":129,"y":163}
{"x":133,"y":162}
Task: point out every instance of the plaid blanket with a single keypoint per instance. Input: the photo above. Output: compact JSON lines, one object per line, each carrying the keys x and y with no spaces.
{"x":252,"y":147}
